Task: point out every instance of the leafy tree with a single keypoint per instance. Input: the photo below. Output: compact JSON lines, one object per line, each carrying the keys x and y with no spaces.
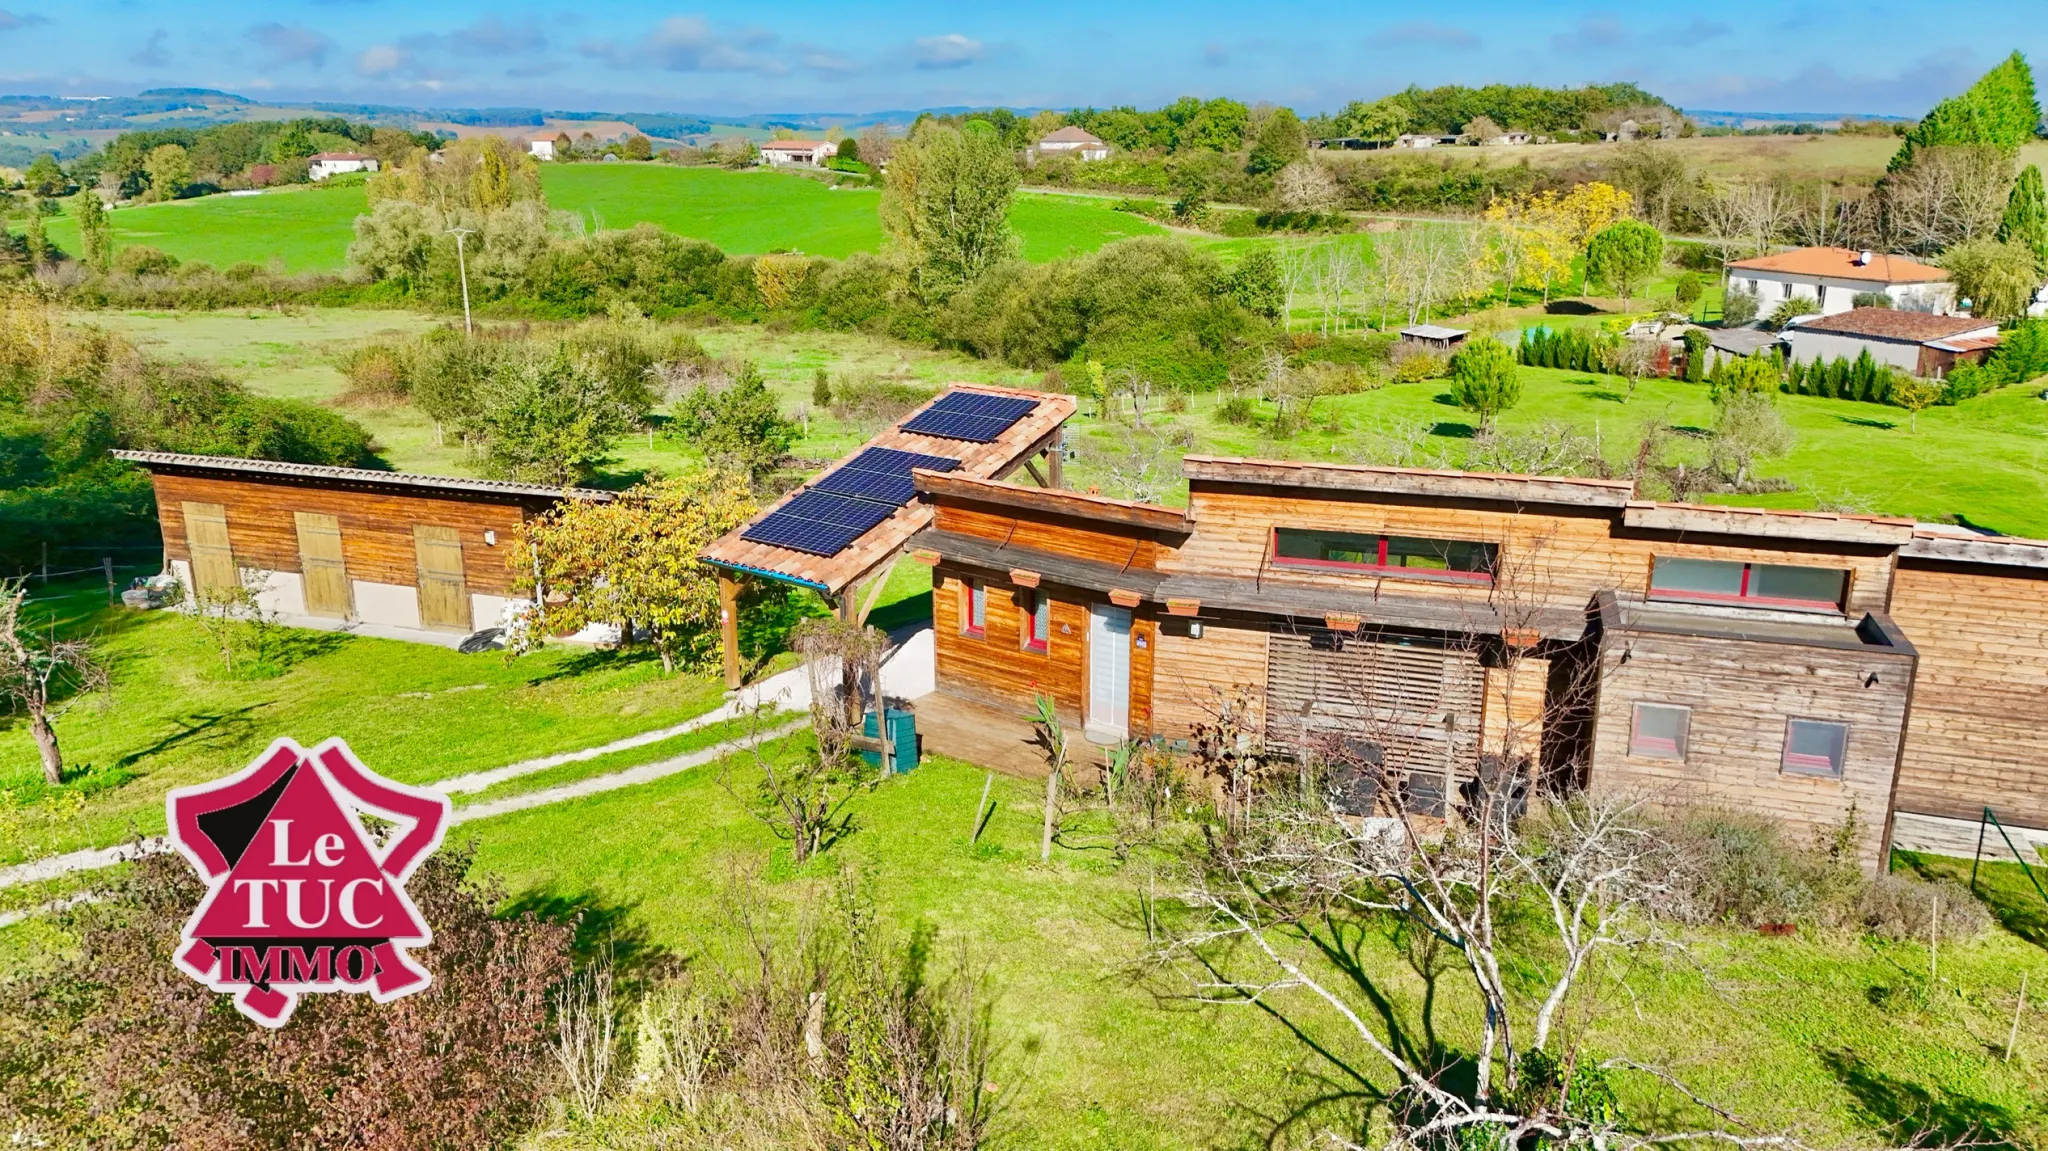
{"x":1759,"y":374}
{"x":36,"y":237}
{"x":849,"y":148}
{"x":170,"y":169}
{"x":1258,"y":282}
{"x":1631,"y":359}
{"x":638,"y":147}
{"x":739,"y":426}
{"x":1381,"y":120}
{"x":95,"y":234}
{"x":1688,"y":290}
{"x":1915,"y":395}
{"x":1484,"y":379}
{"x":2026,"y":217}
{"x":946,"y":206}
{"x":1738,"y":307}
{"x":1998,"y":279}
{"x":1586,"y":211}
{"x":1623,"y":255}
{"x":1747,"y":427}
{"x":1281,"y":141}
{"x":2000,"y":109}
{"x":1219,"y":127}
{"x":633,"y":561}
{"x":821,"y":389}
{"x":1482,"y":129}
{"x":44,"y":177}
{"x":550,"y":419}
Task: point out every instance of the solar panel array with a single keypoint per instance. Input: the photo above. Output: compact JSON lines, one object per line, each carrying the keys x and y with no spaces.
{"x":881,"y":474}
{"x":975,"y":417}
{"x":851,"y":499}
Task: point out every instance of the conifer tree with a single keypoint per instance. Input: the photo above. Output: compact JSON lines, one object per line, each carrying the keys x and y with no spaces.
{"x":2026,"y":216}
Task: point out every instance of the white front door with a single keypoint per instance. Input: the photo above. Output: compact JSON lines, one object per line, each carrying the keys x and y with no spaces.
{"x":1109,"y":674}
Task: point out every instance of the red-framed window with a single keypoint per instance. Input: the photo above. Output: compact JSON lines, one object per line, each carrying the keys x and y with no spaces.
{"x":1757,"y":584}
{"x":974,"y":608}
{"x":1815,"y":747}
{"x":1036,"y":608}
{"x":1408,"y":556}
{"x":1659,"y":731}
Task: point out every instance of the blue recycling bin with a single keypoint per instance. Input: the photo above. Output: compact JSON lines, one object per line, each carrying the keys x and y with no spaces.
{"x":902,"y":740}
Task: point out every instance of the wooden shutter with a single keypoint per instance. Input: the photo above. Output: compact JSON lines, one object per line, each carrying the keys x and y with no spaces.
{"x":213,"y":560}
{"x":321,"y":569}
{"x":444,"y":593}
{"x":1391,"y":694}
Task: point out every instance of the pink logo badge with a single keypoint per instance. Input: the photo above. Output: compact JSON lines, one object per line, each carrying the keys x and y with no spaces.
{"x":300,"y":898}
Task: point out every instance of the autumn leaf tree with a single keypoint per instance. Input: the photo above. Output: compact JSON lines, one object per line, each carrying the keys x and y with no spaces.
{"x":632,"y":562}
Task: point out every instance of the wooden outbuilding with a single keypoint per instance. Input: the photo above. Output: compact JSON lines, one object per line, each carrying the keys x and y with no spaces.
{"x":386,"y":553}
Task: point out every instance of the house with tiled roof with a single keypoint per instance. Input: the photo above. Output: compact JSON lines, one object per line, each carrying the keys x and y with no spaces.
{"x":321,"y":165}
{"x":1917,"y":342}
{"x":808,"y":153}
{"x":1073,"y":141}
{"x":1834,"y":277}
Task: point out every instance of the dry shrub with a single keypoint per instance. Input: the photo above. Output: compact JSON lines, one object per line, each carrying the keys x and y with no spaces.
{"x":1742,"y":868}
{"x":376,"y":376}
{"x":1414,"y":364}
{"x":112,"y":1046}
{"x":875,"y":400}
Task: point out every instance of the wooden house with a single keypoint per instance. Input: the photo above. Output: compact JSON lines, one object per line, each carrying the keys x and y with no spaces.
{"x":386,"y":553}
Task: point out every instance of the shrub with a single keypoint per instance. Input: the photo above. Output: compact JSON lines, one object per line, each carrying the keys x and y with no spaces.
{"x":1412,"y":365}
{"x":1738,"y":308}
{"x":143,"y":260}
{"x":1790,"y":309}
{"x":108,"y":1045}
{"x":1484,"y":379}
{"x":1237,"y":408}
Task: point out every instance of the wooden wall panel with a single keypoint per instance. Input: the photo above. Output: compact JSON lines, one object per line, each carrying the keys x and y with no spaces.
{"x":376,"y":527}
{"x":1978,"y":734}
{"x":995,"y":668}
{"x":1560,"y":560}
{"x":1741,"y":694}
{"x":1514,"y":709}
{"x":1192,"y":677}
{"x":1077,"y":539}
{"x":1144,"y":646}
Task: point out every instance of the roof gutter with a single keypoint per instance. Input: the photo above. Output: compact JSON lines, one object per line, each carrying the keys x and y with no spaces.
{"x":764,"y":573}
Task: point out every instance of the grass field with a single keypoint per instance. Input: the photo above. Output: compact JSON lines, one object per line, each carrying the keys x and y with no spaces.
{"x":308,"y":229}
{"x":1853,"y":159}
{"x":1840,"y":1037}
{"x":1985,"y":461}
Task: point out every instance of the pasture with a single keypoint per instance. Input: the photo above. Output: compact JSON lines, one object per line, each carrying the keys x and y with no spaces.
{"x":1984,"y":461}
{"x":308,"y":229}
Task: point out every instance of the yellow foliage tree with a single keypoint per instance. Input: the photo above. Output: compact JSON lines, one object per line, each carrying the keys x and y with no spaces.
{"x":777,"y":277}
{"x":476,"y":175}
{"x":632,"y":563}
{"x":1535,"y":239}
{"x":1588,"y":209}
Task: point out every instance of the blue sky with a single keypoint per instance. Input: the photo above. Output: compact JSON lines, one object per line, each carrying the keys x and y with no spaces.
{"x":1875,"y":56}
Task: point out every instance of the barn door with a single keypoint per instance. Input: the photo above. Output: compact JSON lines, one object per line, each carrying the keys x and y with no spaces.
{"x":320,"y":565}
{"x":1419,"y":703}
{"x":213,"y":560}
{"x":444,"y":594}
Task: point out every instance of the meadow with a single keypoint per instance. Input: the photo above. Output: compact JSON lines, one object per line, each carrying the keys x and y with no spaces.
{"x":1984,"y":461}
{"x":1860,"y":1046}
{"x":308,"y":229}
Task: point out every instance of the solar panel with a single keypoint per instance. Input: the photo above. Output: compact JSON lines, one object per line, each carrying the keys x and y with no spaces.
{"x":821,"y":523}
{"x":975,"y":417}
{"x":881,"y":474}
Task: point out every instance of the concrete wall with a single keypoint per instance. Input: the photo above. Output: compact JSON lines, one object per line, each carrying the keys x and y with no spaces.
{"x":1810,"y":346}
{"x":1837,"y":296}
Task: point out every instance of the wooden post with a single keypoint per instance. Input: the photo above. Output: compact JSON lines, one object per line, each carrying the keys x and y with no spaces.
{"x":975,"y":837}
{"x":1054,"y":456}
{"x":2013,"y":1036}
{"x":729,"y":628}
{"x":113,"y":593}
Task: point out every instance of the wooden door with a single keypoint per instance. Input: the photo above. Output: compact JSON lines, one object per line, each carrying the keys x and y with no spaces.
{"x":321,"y":570}
{"x":1109,"y":672}
{"x":444,"y":593}
{"x":213,"y":560}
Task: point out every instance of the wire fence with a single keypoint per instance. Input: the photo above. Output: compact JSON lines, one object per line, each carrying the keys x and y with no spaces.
{"x":104,"y":565}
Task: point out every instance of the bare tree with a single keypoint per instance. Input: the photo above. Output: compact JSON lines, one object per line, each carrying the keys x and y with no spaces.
{"x":1946,"y":196}
{"x":1146,"y":467}
{"x":36,"y":671}
{"x":1746,"y":217}
{"x":1050,"y":735}
{"x":1631,"y":358}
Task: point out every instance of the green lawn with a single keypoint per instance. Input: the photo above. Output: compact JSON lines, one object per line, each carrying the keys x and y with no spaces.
{"x":309,"y":229}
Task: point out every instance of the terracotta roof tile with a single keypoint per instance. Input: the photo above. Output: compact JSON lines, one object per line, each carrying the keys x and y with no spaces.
{"x":1893,"y":324}
{"x":1843,"y":264}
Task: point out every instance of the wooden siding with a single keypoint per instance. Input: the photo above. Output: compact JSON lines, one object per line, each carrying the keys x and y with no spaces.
{"x":1422,"y":703}
{"x":376,"y":527}
{"x":995,"y":668}
{"x":1193,"y":677}
{"x":1741,"y":694}
{"x":1980,"y":702}
{"x":1549,"y":558}
{"x":1059,"y":535}
{"x":1514,"y":710}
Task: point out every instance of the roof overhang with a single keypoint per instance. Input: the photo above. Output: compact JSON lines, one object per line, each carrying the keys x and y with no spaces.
{"x":447,"y":487}
{"x":2000,"y":551}
{"x":1561,"y":490}
{"x":1125,"y":513}
{"x":1768,"y":523}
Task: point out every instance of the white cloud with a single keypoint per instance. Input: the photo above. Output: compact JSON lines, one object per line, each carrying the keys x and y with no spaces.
{"x":1422,"y":34}
{"x":951,"y":50}
{"x":292,"y":44}
{"x":381,"y":60}
{"x":491,"y":36}
{"x":689,"y":44}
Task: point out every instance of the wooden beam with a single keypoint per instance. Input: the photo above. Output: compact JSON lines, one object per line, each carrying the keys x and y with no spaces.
{"x":729,"y":628}
{"x":1055,"y":457}
{"x":876,"y":583}
{"x":1033,"y":469}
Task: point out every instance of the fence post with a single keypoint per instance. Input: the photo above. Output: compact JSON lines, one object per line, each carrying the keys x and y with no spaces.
{"x":46,"y":563}
{"x":113,"y":593}
{"x":1979,"y":857}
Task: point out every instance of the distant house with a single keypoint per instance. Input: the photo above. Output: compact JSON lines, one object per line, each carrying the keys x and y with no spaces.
{"x":1737,"y":343}
{"x":805,"y":153}
{"x":1507,"y":138}
{"x":1834,"y":277}
{"x":541,"y":149}
{"x":1422,"y":140}
{"x":1920,"y":343}
{"x":1072,"y":141}
{"x":325,"y":164}
{"x":1434,"y":338}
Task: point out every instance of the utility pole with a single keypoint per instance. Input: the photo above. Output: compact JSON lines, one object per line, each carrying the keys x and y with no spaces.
{"x":462,"y":266}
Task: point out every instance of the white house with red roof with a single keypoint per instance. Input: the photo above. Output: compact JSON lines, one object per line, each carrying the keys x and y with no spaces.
{"x":1834,"y":277}
{"x":806,"y":153}
{"x":321,"y":165}
{"x":1073,"y":141}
